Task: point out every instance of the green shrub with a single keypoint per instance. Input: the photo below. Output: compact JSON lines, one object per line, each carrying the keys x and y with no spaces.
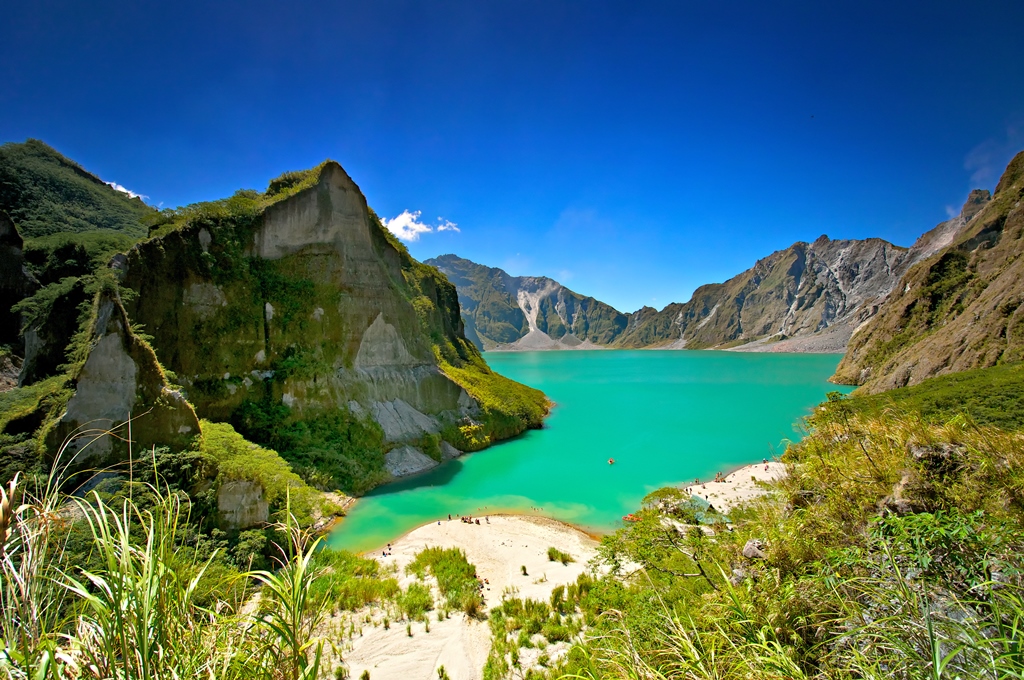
{"x":350,"y":582}
{"x":238,"y":458}
{"x":456,"y":577}
{"x":556,"y":555}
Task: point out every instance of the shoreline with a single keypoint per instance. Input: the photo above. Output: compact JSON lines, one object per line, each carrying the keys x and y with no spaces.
{"x":737,"y":487}
{"x":510,"y":556}
{"x":589,"y":532}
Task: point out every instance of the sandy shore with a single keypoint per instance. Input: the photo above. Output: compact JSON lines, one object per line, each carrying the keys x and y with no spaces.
{"x":739,"y":486}
{"x":498,"y":549}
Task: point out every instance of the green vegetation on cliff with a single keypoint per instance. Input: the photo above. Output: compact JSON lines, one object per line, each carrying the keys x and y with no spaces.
{"x":271,"y":341}
{"x":295,"y":300}
{"x":237,"y":458}
{"x":988,"y":396}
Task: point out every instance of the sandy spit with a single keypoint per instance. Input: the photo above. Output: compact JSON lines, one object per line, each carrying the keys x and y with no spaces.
{"x":739,"y":486}
{"x":499,"y":547}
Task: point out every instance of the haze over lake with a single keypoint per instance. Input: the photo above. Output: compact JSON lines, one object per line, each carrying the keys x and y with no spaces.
{"x":664,"y":416}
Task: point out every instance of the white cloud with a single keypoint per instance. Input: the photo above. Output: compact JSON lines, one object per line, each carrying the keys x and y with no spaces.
{"x":951,"y":212}
{"x":987,"y":160}
{"x":408,"y":227}
{"x":117,"y":187}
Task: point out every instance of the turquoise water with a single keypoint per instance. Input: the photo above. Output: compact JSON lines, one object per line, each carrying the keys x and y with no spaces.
{"x":664,"y":416}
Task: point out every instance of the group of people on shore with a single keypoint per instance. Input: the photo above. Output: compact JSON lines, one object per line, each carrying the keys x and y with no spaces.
{"x":468,"y":519}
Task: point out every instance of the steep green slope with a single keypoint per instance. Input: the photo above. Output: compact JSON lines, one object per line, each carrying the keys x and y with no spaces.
{"x":71,"y":223}
{"x":500,"y":309}
{"x":989,"y":396}
{"x":958,"y":309}
{"x":45,"y":193}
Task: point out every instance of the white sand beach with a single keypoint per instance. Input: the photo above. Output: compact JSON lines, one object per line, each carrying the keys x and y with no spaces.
{"x":738,"y":486}
{"x":499,"y":547}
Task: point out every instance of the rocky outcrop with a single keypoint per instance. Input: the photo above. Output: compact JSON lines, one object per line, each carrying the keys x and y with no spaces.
{"x":960,"y":306}
{"x":295,"y":305}
{"x":119,"y":380}
{"x":306,"y":306}
{"x":10,"y":367}
{"x":47,"y":336}
{"x":407,"y":460}
{"x":804,"y":290}
{"x":242,"y":504}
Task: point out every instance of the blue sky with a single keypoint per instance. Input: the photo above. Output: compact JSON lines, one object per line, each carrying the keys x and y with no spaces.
{"x":633,"y":150}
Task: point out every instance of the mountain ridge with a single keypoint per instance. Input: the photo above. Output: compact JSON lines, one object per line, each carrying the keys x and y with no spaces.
{"x":807,"y":297}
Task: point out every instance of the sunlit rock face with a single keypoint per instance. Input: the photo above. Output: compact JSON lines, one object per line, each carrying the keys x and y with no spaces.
{"x":808,"y":297}
{"x":306,"y":307}
{"x":960,"y":306}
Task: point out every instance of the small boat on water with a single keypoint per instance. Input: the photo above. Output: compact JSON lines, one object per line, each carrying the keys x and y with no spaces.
{"x":611,"y":461}
{"x":631,"y":518}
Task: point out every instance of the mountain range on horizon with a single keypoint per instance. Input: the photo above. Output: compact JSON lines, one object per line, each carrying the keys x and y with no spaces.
{"x":809,"y":297}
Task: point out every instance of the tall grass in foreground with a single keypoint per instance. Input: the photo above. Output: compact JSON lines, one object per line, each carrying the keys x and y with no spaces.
{"x":29,"y":599}
{"x":136,"y":615}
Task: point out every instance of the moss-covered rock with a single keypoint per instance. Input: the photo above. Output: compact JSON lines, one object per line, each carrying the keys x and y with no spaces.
{"x":286,"y":307}
{"x":119,"y":381}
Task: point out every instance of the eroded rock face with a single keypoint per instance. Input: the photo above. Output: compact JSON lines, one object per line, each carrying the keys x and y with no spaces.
{"x":48,"y":337}
{"x":959,"y":307}
{"x":809,"y":290}
{"x":121,"y":379}
{"x":527,"y":312}
{"x":241,"y":504}
{"x":807,"y":298}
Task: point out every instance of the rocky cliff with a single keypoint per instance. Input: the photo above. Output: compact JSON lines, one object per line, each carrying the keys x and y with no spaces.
{"x":527,"y":312}
{"x":295,"y":306}
{"x":16,"y":283}
{"x":959,"y":307}
{"x":291,"y":314}
{"x":807,"y":297}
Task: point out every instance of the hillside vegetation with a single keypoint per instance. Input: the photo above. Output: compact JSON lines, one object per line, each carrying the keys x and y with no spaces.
{"x":252,"y":340}
{"x":891,"y":550}
{"x":956,"y":310}
{"x":46,"y":193}
{"x":988,"y":396}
